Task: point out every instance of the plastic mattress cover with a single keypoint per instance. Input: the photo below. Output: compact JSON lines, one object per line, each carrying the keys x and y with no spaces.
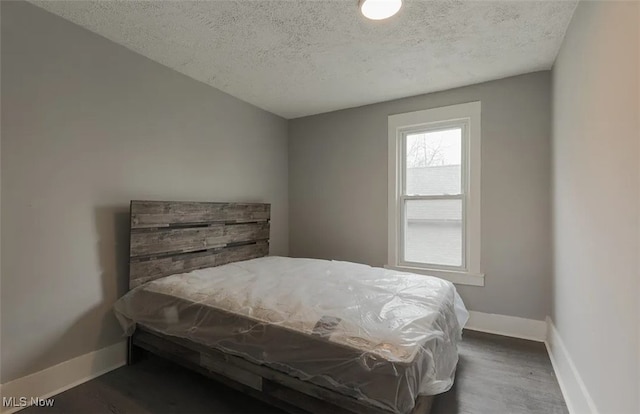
{"x":376,"y":334}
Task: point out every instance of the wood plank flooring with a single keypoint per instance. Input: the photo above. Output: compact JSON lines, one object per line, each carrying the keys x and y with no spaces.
{"x":495,"y":375}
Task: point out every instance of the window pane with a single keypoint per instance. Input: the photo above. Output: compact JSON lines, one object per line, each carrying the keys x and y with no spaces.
{"x":433,"y":232}
{"x":433,"y":162}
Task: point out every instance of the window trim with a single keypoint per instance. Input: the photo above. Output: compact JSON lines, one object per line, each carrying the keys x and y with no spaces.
{"x":399,"y":125}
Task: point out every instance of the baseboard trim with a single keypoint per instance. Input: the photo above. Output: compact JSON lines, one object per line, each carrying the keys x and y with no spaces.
{"x":573,"y":389}
{"x":512,"y":326}
{"x":58,"y":378}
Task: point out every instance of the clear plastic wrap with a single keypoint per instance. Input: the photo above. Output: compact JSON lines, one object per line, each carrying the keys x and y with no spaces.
{"x":378,"y":335}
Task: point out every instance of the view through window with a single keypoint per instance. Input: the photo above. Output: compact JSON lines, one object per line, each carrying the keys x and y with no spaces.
{"x":433,"y":197}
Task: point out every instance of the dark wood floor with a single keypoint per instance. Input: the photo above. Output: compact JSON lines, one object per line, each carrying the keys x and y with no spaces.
{"x":495,"y":375}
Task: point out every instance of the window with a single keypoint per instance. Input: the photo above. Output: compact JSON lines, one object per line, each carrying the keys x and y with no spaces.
{"x":434,"y":193}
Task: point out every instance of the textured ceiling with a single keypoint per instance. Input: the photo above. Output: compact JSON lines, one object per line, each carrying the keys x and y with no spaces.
{"x":297,"y":58}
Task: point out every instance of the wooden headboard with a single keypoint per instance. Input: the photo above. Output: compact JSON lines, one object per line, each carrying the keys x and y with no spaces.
{"x":169,"y":237}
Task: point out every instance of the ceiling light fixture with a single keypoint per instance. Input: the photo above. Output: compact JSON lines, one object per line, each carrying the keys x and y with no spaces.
{"x":379,"y":9}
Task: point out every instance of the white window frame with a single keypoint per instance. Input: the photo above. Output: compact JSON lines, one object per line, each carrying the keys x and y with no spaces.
{"x":467,"y":116}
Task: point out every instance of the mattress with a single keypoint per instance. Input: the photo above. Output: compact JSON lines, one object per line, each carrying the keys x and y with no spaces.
{"x":378,"y":335}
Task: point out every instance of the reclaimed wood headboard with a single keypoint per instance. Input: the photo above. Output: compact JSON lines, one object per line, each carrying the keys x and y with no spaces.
{"x":169,"y":237}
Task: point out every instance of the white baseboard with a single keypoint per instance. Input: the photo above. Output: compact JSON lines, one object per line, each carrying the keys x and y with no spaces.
{"x":531,"y":329}
{"x":61,"y":377}
{"x":575,"y":393}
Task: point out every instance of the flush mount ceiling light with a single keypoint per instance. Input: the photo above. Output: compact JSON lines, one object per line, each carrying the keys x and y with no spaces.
{"x":379,"y":9}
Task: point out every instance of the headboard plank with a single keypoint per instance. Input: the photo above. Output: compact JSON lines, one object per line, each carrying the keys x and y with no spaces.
{"x":174,"y":213}
{"x":182,"y":240}
{"x":145,"y":271}
{"x":169,"y":237}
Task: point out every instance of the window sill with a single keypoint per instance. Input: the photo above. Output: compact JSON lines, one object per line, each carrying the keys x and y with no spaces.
{"x":456,"y":277}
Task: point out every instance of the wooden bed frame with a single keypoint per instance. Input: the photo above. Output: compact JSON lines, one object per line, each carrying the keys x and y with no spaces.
{"x":177,"y":237}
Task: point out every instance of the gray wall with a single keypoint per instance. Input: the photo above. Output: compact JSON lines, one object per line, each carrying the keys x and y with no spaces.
{"x":338,"y":188}
{"x":88,"y":125}
{"x":596,"y":209}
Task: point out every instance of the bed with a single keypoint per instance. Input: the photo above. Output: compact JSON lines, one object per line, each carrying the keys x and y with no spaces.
{"x":304,"y":335}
